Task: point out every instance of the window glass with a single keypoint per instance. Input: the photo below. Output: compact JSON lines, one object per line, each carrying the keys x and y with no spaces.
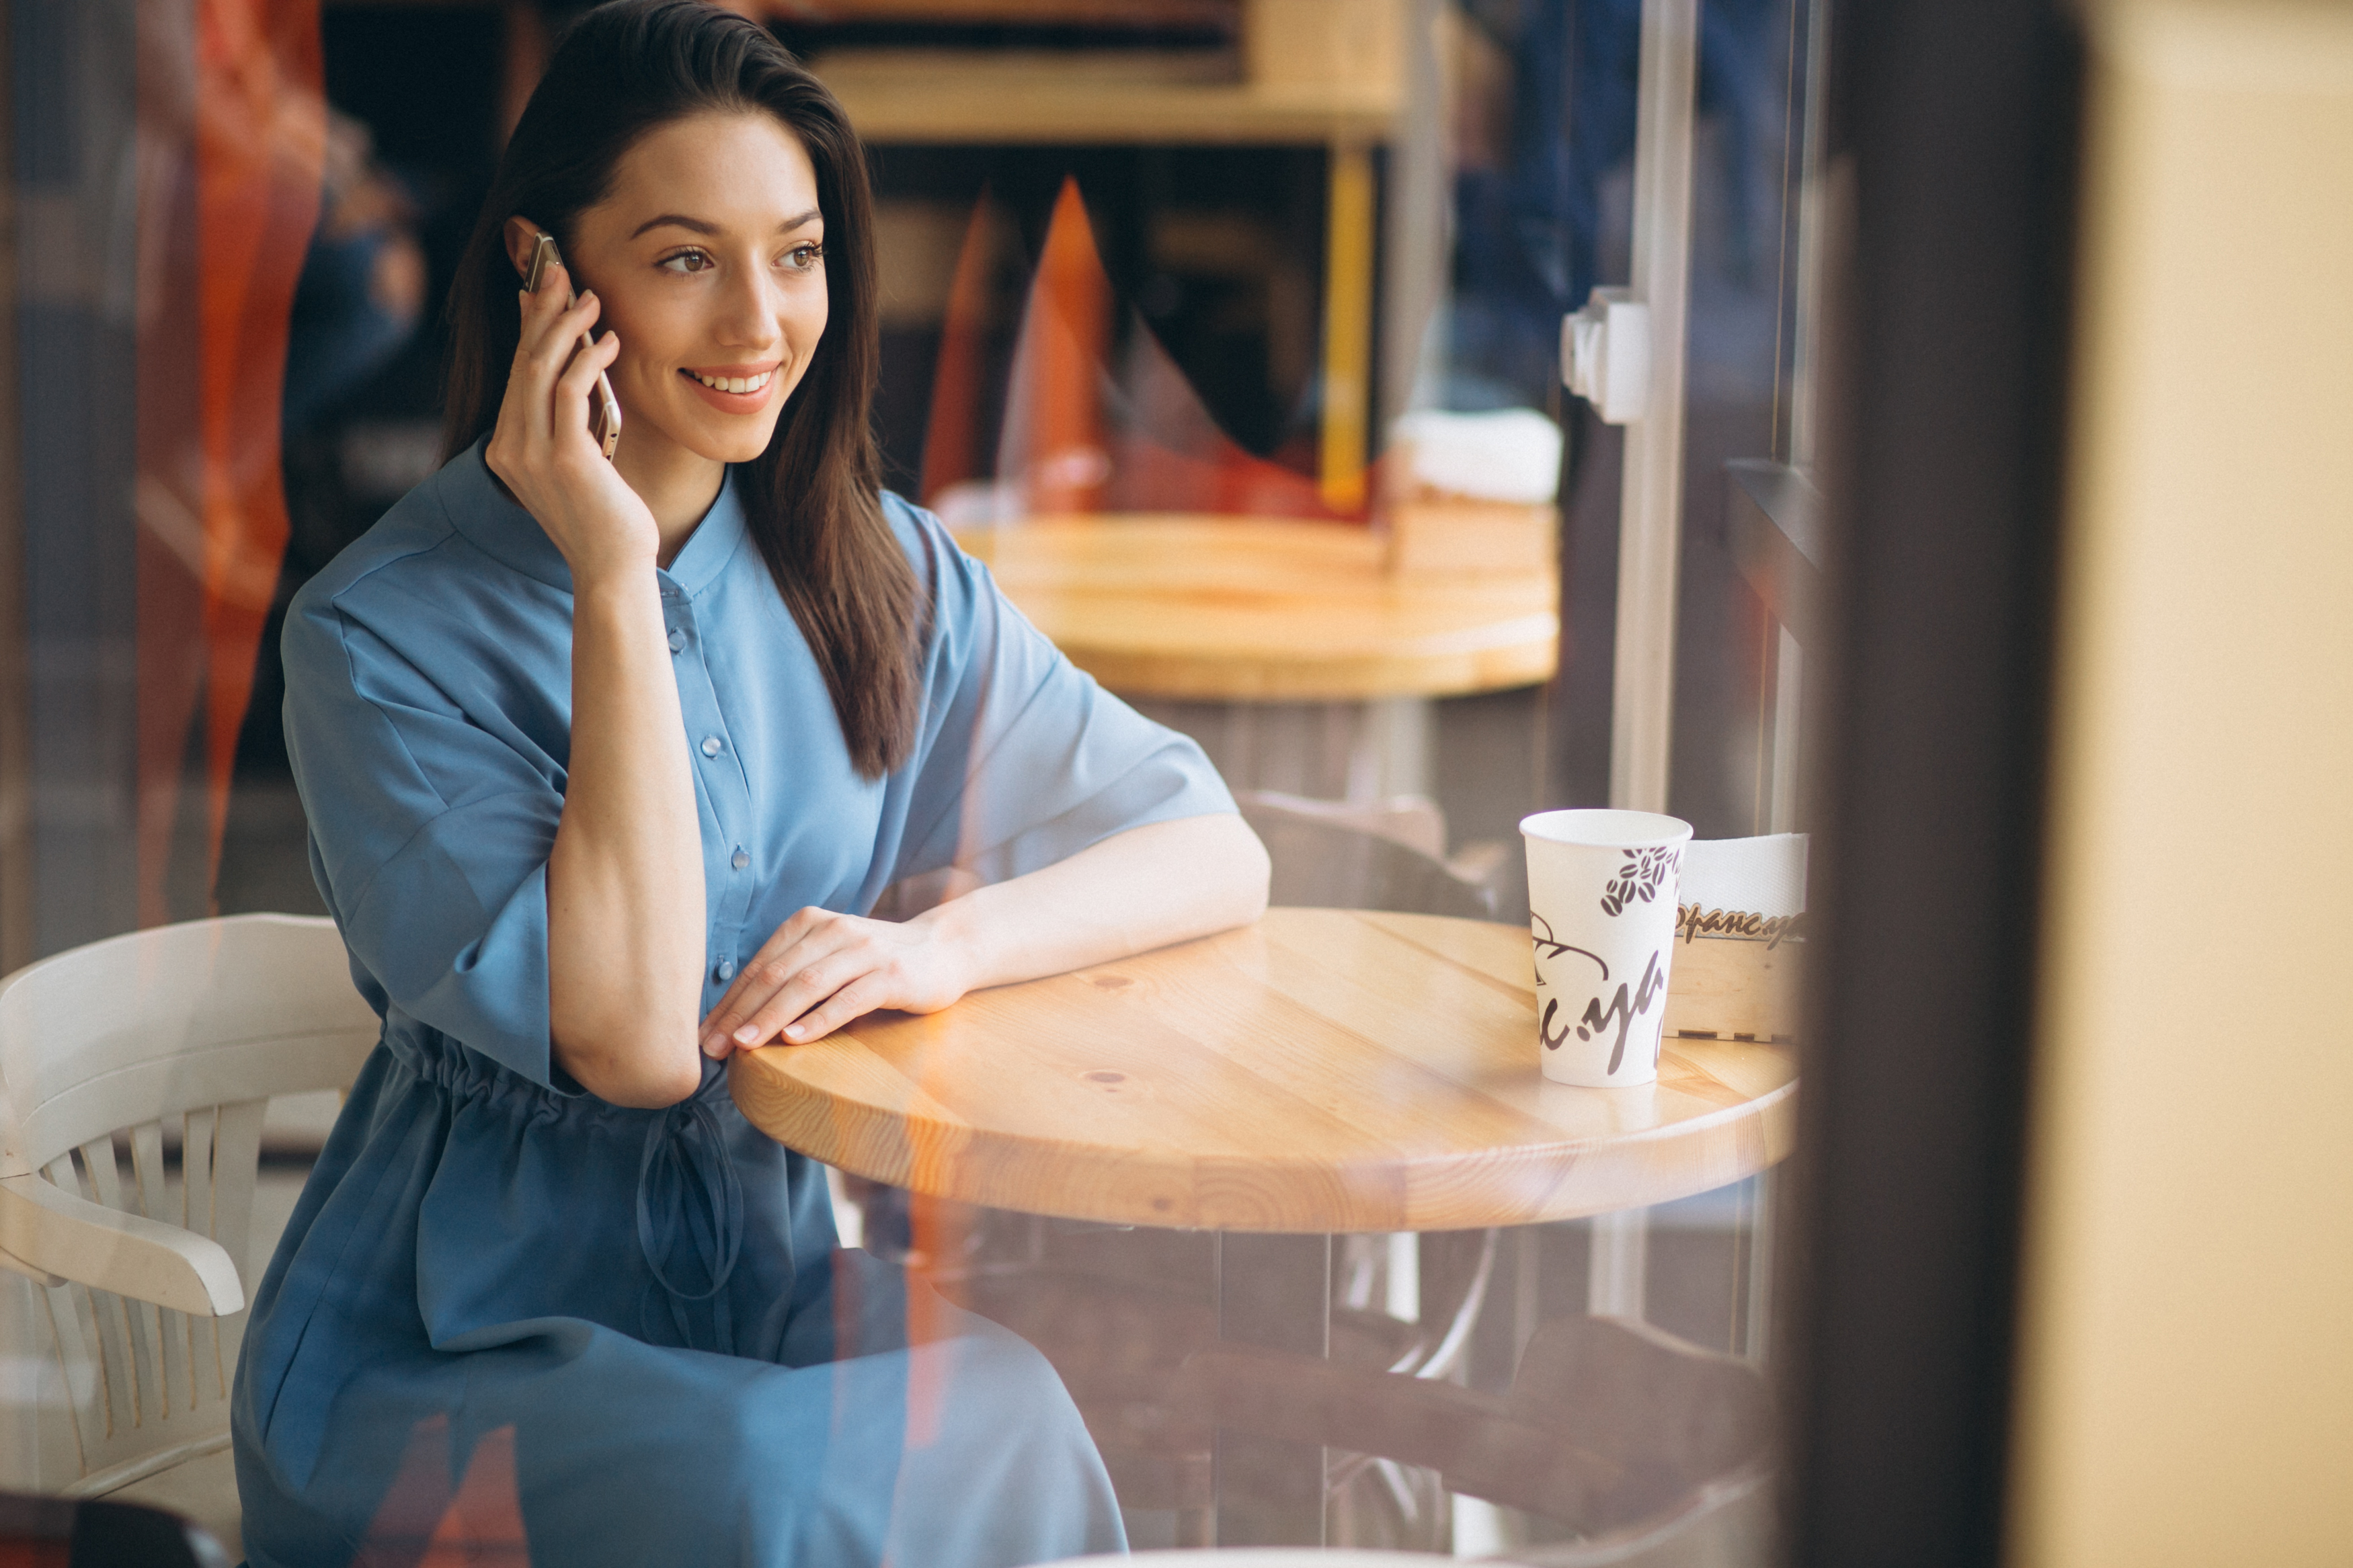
{"x":1230,"y":335}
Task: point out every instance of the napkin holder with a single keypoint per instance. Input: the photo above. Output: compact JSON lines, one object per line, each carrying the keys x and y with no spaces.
{"x":1740,"y":938}
{"x":1736,"y":974}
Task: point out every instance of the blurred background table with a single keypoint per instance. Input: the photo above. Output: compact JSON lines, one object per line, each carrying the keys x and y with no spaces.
{"x":1288,"y":649}
{"x":1322,"y":1071}
{"x":1261,"y":610}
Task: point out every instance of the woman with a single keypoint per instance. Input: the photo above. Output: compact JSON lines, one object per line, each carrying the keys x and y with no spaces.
{"x":603,"y":762}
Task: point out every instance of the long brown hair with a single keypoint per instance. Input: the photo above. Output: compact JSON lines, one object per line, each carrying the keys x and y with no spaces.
{"x":813,"y":499}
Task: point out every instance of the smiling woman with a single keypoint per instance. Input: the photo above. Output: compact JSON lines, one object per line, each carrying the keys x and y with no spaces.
{"x":698,"y":211}
{"x":717,"y":300}
{"x":606,"y":764}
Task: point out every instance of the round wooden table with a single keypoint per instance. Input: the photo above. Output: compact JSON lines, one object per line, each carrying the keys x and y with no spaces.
{"x":1323,"y":1070}
{"x":1263,"y":610}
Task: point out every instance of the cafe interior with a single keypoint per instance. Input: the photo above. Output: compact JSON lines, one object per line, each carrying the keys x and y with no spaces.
{"x":1894,"y":455}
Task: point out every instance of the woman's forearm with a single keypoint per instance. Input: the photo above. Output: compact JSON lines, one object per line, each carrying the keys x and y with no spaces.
{"x":624,"y":900}
{"x":1145,"y":887}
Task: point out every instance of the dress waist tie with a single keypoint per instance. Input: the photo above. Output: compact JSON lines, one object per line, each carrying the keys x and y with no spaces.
{"x":687,"y":1184}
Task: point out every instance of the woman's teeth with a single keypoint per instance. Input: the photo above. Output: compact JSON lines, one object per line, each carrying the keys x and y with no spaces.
{"x":733,"y":383}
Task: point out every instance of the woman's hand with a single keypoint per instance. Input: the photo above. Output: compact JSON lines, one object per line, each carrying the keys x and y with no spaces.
{"x":822,"y":970}
{"x":542,"y":447}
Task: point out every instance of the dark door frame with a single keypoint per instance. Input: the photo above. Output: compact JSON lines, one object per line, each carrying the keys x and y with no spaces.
{"x":1950,"y":169}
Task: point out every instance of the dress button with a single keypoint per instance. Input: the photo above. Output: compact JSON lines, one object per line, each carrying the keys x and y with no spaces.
{"x":726,"y":970}
{"x":711,"y":745}
{"x":739,"y":860}
{"x":677,"y":641}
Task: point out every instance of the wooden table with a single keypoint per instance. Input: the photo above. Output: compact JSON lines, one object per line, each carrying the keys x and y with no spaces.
{"x":1320,"y":1072}
{"x":1261,"y":610}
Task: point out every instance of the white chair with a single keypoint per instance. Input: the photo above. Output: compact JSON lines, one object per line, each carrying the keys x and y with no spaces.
{"x":183,"y":1033}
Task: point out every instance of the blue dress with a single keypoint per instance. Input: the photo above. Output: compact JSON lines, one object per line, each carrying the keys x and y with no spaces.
{"x":649,"y":1310}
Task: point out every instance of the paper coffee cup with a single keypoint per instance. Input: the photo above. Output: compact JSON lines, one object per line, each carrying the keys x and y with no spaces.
{"x":1601,"y":909}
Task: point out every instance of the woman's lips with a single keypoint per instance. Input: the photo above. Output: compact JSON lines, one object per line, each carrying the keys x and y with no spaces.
{"x":734,"y":389}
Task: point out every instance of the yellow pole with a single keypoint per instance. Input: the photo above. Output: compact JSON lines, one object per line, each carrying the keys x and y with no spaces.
{"x":1347,"y":327}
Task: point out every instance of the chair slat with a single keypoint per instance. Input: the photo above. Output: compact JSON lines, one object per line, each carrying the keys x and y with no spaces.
{"x":196,"y":1195}
{"x":154,"y":1202}
{"x":197,"y":1170}
{"x":170,"y":1330}
{"x":142,"y":1327}
{"x":182,"y":1390}
{"x":114,"y":1365}
{"x":105,"y":1176}
{"x":237,"y":1161}
{"x":74,"y":1326}
{"x":180,"y":1380}
{"x":69,"y":1332}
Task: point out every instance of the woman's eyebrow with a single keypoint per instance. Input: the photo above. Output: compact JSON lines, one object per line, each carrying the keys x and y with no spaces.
{"x":675,"y":220}
{"x":697,"y":225}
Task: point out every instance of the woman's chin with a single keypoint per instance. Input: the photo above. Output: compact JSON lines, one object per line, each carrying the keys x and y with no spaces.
{"x":739,"y":444}
{"x":721,"y":440}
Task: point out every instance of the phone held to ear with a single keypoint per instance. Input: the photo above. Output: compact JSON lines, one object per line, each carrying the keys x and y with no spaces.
{"x":603,"y":409}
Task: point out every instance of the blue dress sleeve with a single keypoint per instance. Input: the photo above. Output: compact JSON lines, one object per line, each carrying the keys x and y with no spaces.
{"x":429,"y":837}
{"x":1022,"y":759}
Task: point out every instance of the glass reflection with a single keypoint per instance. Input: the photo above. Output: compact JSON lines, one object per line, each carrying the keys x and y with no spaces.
{"x":1354,"y":333}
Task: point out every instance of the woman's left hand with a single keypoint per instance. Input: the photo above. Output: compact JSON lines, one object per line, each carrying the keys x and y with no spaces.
{"x":821,"y":970}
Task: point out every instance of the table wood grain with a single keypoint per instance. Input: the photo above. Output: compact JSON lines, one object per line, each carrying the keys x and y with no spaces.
{"x":1255,"y":609}
{"x":1321,"y":1070}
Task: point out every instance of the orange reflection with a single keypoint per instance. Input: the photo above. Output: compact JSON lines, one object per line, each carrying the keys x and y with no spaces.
{"x":1053,"y":444}
{"x":425,"y":1522}
{"x":230,"y":180}
{"x":1173,"y":456}
{"x":1086,"y":430}
{"x":938,"y":1236}
{"x":952,"y":439}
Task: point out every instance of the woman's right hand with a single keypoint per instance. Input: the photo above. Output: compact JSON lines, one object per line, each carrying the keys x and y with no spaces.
{"x":542,"y":447}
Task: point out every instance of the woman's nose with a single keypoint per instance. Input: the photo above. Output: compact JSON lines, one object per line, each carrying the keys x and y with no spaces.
{"x":751,"y":313}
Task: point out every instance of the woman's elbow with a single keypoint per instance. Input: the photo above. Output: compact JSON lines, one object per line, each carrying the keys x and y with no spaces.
{"x":1249,"y":872}
{"x":625,"y":1073}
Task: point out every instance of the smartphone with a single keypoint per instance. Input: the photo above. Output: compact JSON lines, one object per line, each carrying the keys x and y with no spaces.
{"x":603,"y":409}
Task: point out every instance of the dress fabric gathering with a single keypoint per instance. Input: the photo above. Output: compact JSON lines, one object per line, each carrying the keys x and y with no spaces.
{"x":645,"y":1316}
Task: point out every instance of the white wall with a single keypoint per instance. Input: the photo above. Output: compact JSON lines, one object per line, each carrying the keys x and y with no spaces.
{"x":2187,"y":1393}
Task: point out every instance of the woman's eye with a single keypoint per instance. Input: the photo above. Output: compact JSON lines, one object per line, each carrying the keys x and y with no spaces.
{"x":805,"y":258}
{"x":686,"y":261}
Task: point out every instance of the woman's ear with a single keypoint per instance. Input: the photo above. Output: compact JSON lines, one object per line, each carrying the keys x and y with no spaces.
{"x":521,"y":237}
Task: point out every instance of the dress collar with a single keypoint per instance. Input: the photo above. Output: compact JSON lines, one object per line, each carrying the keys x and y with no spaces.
{"x":480,"y":507}
{"x":714,"y":543}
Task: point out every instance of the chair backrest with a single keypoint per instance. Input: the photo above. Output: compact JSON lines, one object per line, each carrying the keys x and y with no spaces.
{"x":179,"y":1035}
{"x":1324,"y":861}
{"x":1413,"y":821}
{"x":1644,"y":1398}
